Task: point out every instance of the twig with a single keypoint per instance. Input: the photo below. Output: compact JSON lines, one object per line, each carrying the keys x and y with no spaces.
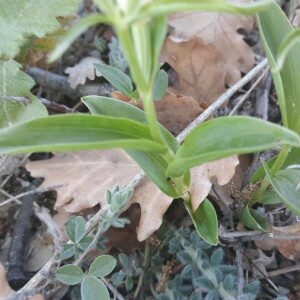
{"x":21,"y":234}
{"x":262,"y":273}
{"x":261,"y":109}
{"x":56,"y":106}
{"x":240,"y":276}
{"x":60,"y":83}
{"x":94,"y":221}
{"x":246,"y":236}
{"x":91,"y":245}
{"x":35,"y":191}
{"x":113,"y":289}
{"x":247,"y":94}
{"x":284,"y":270}
{"x":220,"y":101}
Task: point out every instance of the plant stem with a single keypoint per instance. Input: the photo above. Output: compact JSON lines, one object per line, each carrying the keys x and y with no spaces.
{"x":275,"y":168}
{"x":146,"y":265}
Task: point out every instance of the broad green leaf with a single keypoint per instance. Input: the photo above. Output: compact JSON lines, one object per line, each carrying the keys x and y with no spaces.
{"x":117,"y":78}
{"x":274,"y":28}
{"x":252,"y":219}
{"x":290,"y":41}
{"x":155,"y":168}
{"x":75,"y":229}
{"x":76,"y":132}
{"x":153,"y":164}
{"x":293,"y":158}
{"x":69,"y":274}
{"x":102,"y":266}
{"x":158,"y":28}
{"x":99,"y":105}
{"x":93,"y":289}
{"x":15,"y":83}
{"x":286,"y":183}
{"x":69,"y":251}
{"x":166,"y":7}
{"x":160,"y":85}
{"x":80,"y":27}
{"x":22,"y":18}
{"x":226,"y":136}
{"x":269,"y":197}
{"x":205,"y":221}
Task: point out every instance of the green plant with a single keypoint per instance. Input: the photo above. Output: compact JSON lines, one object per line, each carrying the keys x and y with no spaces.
{"x":17,"y":104}
{"x":281,"y":172}
{"x":91,"y":286}
{"x":141,"y":29}
{"x":204,"y":275}
{"x":127,"y":273}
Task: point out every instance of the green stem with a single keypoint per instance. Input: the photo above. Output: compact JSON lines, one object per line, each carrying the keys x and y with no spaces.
{"x":275,"y":168}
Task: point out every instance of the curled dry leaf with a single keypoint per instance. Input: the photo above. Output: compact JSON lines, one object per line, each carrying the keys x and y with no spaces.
{"x":290,"y":249}
{"x":200,"y":50}
{"x":83,"y":70}
{"x":174,"y":112}
{"x":82,"y":178}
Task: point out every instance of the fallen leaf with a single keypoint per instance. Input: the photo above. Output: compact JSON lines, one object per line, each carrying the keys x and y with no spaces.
{"x":289,"y":248}
{"x":175,"y":112}
{"x":200,"y":50}
{"x":202,"y":177}
{"x":82,"y":178}
{"x":83,"y":70}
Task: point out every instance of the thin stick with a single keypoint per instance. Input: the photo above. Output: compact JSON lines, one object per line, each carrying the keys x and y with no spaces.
{"x":240,"y":276}
{"x":247,"y":94}
{"x":220,"y":101}
{"x":284,"y":270}
{"x":60,"y":83}
{"x":37,"y":279}
{"x":36,"y":191}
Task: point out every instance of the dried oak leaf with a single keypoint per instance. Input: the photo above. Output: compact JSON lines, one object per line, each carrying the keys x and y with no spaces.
{"x":207,"y":52}
{"x":82,"y":178}
{"x":174,"y":112}
{"x":83,"y":70}
{"x":290,"y":249}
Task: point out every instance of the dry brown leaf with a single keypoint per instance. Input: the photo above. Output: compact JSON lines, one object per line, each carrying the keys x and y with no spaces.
{"x":200,"y":50}
{"x":202,"y":177}
{"x":84,"y":176}
{"x":83,"y":70}
{"x":290,"y":249}
{"x":81,"y":179}
{"x":175,"y":112}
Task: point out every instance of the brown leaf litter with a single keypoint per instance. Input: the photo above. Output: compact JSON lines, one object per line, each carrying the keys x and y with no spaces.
{"x":207,"y":52}
{"x":82,"y":178}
